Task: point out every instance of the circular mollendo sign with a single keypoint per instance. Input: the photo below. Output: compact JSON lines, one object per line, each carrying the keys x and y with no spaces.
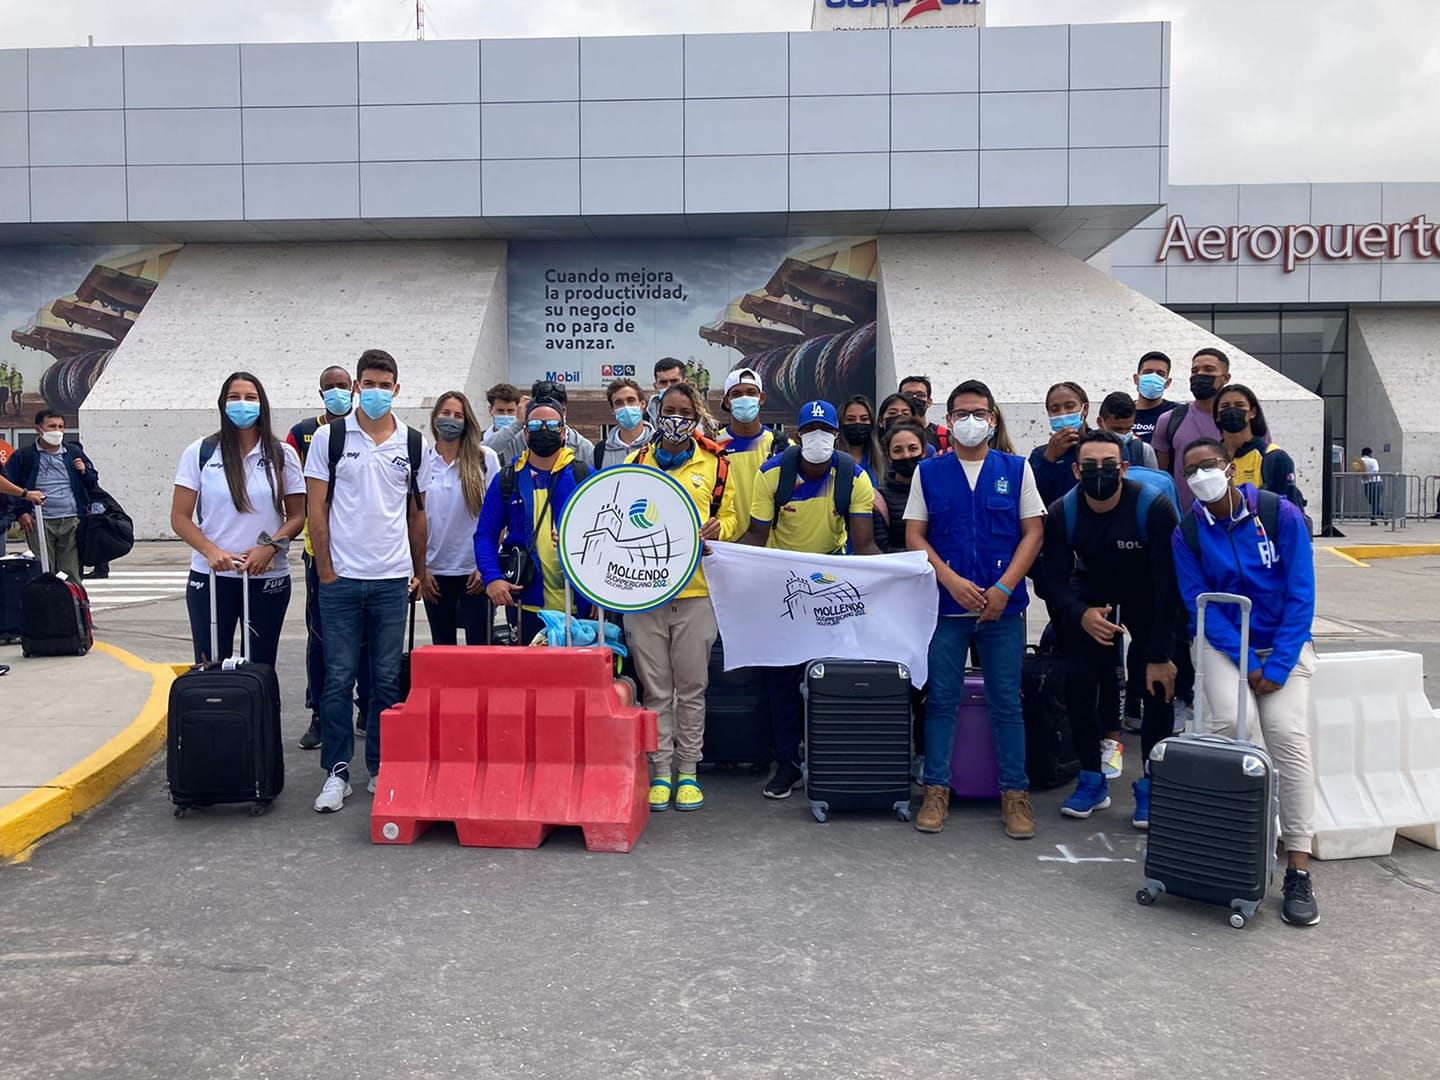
{"x":630,"y":538}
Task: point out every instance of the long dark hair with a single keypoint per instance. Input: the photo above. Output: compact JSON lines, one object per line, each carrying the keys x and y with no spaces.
{"x":1258,"y":427}
{"x":234,"y":460}
{"x":877,"y":452}
{"x":909,"y":404}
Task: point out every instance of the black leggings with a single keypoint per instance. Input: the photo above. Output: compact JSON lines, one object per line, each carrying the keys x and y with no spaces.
{"x":1092,"y":694}
{"x":456,"y":608}
{"x":269,"y":597}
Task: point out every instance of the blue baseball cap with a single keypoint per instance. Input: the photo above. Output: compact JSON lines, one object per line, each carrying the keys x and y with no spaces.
{"x":818,"y":412}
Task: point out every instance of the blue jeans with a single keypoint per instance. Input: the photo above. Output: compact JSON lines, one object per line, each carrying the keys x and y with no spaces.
{"x":353,"y":612}
{"x":315,"y":648}
{"x":1002,"y":648}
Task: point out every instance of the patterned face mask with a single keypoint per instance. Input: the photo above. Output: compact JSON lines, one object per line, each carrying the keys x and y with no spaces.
{"x":677,"y":428}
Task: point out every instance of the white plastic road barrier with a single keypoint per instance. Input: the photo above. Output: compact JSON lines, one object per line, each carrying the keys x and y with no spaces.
{"x":1376,"y":745}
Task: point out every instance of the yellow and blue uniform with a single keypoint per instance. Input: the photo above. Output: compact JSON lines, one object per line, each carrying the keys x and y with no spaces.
{"x":746,"y":453}
{"x":808,"y":522}
{"x":698,"y":476}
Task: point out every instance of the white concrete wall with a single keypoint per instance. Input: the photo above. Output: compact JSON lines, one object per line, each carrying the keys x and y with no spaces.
{"x":1015,"y":312}
{"x":285,"y":312}
{"x":1394,"y":387}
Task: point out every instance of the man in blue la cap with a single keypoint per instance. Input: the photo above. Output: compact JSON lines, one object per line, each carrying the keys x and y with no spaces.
{"x":812,"y":499}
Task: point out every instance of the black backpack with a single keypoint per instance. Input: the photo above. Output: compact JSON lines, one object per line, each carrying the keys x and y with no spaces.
{"x":414,"y":446}
{"x":844,"y":469}
{"x":1268,"y":505}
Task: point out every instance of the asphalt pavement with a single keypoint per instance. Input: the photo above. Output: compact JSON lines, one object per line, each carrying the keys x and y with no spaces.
{"x":742,"y":941}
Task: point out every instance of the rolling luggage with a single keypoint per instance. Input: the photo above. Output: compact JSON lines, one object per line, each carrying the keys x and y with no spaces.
{"x":16,"y":571}
{"x":857,"y":736}
{"x":1212,"y":804}
{"x":54,"y":611}
{"x":737,"y":715}
{"x":223,"y":743}
{"x":974,"y":768}
{"x":1050,"y":758}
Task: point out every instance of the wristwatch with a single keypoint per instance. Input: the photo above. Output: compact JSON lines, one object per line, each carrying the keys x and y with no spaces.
{"x":280,"y":544}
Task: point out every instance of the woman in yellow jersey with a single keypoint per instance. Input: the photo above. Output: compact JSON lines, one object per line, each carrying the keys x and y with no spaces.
{"x":671,"y":644}
{"x":1258,"y":461}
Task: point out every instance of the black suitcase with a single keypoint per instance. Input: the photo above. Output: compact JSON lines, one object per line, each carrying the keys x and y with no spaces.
{"x":1050,"y":758}
{"x":1213,"y":805}
{"x":224,"y":743}
{"x":16,"y":571}
{"x":737,"y":715}
{"x":857,"y":736}
{"x":54,"y":611}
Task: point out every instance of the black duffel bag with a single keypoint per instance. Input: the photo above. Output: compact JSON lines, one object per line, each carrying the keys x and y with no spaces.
{"x":1050,"y":758}
{"x":109,"y":533}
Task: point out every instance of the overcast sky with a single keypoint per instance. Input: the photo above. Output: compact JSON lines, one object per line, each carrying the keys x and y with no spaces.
{"x":1264,"y":90}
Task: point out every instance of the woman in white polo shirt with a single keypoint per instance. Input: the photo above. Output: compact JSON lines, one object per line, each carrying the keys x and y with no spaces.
{"x":453,"y":592}
{"x":239,"y":500}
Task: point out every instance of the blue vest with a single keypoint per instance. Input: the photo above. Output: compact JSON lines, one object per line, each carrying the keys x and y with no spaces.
{"x":975,"y":532}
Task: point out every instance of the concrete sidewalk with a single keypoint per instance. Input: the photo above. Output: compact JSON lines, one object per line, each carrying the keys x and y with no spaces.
{"x":72,"y":729}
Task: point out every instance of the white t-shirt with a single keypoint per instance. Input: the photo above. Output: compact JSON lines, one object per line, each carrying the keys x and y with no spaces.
{"x":450,"y":551}
{"x":1372,"y":470}
{"x":1030,"y":502}
{"x":223,"y":525}
{"x":369,"y":534}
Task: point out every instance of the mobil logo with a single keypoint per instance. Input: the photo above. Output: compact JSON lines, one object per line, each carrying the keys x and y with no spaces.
{"x":563,"y":376}
{"x":915,"y":7}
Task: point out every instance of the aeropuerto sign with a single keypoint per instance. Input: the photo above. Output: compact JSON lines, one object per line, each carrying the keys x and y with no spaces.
{"x":1291,"y":245}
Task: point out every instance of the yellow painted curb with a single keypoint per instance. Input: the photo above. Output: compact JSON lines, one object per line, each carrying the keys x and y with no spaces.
{"x":1340,"y":553}
{"x":1387,"y":551}
{"x":86,"y":785}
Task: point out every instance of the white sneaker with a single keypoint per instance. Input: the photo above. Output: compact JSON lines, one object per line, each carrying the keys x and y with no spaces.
{"x":333,"y":795}
{"x":1184,"y":715}
{"x":370,"y":787}
{"x":1112,"y":759}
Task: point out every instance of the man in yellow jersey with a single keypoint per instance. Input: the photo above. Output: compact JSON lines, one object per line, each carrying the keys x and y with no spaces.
{"x":808,"y":498}
{"x":335,"y":383}
{"x":525,"y":502}
{"x":748,"y":443}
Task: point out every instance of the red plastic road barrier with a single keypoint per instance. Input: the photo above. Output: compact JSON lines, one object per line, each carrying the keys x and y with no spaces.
{"x":509,"y":743}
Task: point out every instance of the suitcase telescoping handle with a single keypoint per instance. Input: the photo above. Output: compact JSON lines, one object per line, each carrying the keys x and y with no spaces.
{"x":244,"y":617}
{"x":40,"y":538}
{"x":1203,"y":601}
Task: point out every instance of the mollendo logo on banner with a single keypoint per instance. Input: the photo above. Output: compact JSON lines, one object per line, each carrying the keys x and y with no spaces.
{"x":630,"y":539}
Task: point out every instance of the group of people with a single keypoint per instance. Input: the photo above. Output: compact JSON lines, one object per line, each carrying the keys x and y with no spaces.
{"x":1117,"y":526}
{"x":12,"y":390}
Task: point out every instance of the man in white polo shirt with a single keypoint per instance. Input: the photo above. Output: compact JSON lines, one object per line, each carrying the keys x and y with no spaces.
{"x":367,"y":526}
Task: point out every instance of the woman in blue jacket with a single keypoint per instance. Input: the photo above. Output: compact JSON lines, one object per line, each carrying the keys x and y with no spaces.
{"x":1255,"y":543}
{"x":521,"y":513}
{"x":1069,"y":409}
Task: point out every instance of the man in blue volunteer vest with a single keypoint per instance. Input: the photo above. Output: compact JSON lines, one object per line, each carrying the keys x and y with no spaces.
{"x":977,"y":514}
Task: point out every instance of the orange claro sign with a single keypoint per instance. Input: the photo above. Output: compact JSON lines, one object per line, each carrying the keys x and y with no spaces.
{"x":1291,"y":245}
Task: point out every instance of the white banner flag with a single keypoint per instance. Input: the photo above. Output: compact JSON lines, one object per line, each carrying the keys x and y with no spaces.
{"x":783,"y":607}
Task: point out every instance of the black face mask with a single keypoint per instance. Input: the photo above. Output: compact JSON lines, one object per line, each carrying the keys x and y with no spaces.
{"x":905,"y":467}
{"x":1232,"y":420}
{"x":1100,"y":484}
{"x":857,"y":434}
{"x":544,"y":443}
{"x":1202,"y":387}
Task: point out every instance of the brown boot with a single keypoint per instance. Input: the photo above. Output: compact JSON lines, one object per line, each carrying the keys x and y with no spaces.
{"x":1018,"y":816}
{"x":934,"y":809}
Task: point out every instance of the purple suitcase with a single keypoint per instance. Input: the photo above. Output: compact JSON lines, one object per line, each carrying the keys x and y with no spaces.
{"x":974,"y":770}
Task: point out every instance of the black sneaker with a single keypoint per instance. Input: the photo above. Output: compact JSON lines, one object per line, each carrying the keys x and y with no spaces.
{"x":311,"y":739}
{"x":1299,"y":908}
{"x":787,"y":777}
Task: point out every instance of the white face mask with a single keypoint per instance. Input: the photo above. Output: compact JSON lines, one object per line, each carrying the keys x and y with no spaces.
{"x":817,"y":446}
{"x":53,"y":438}
{"x":1208,"y":485}
{"x":972,"y":431}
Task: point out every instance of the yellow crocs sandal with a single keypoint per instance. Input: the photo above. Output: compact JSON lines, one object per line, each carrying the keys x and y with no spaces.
{"x":660,"y":794}
{"x":688,"y":795}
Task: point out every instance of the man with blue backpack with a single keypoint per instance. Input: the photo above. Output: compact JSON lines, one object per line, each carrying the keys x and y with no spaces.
{"x":1108,"y":571}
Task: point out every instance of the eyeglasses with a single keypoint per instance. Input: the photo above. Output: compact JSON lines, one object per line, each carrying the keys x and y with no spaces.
{"x":1204,"y":463}
{"x":965,"y":414}
{"x":545,"y":425}
{"x":1090,"y":468}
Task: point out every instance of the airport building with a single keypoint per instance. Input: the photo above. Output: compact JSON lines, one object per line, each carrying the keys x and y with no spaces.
{"x":837,"y":209}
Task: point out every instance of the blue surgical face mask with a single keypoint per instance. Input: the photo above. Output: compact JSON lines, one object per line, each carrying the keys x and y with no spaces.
{"x":243,"y":414}
{"x":629,"y":416}
{"x":1068,"y":420}
{"x":375,"y":403}
{"x":338,"y":401}
{"x":1125,"y":439}
{"x":502,"y":422}
{"x":1151,"y":386}
{"x":745,"y":409}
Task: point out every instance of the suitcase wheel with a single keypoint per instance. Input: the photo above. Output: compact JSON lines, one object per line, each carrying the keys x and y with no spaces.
{"x":902,"y":811}
{"x":1145,"y":898}
{"x":821,"y":811}
{"x":181,"y":810}
{"x":256,"y":809}
{"x":1237,"y":920}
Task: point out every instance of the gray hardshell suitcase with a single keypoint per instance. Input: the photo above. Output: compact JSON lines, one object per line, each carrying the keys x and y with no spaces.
{"x":1213,"y":804}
